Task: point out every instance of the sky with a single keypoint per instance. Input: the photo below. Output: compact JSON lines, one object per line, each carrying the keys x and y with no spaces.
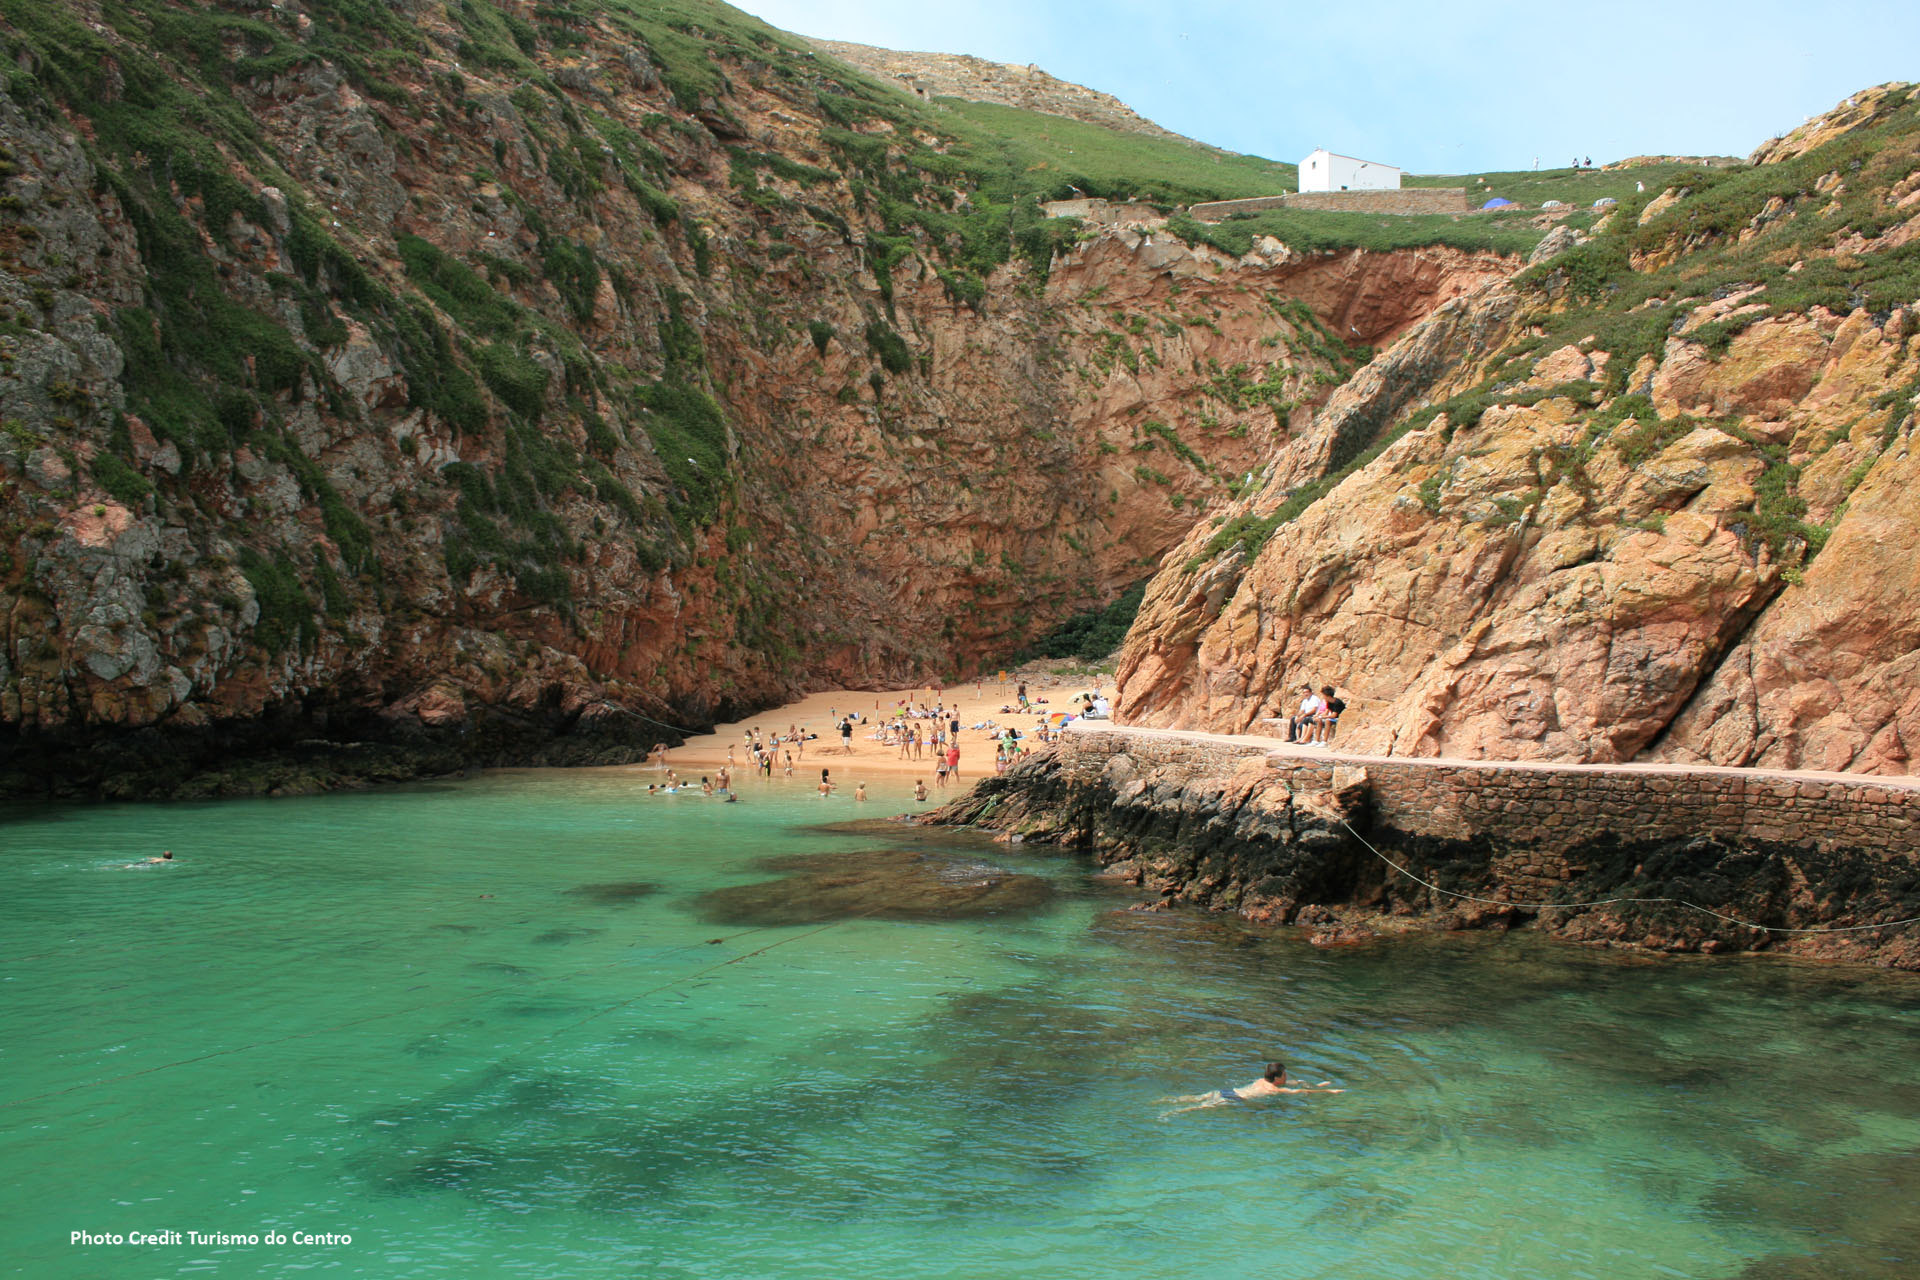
{"x":1432,"y":86}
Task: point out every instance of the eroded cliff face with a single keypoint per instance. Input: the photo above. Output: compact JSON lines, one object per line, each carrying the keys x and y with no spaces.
{"x":530,"y":379}
{"x":1671,"y":527}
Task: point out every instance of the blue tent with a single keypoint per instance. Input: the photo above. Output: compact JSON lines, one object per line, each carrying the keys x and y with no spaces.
{"x":1498,"y":202}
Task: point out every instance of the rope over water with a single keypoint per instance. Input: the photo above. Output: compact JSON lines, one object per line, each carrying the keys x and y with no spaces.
{"x":1607,"y":902}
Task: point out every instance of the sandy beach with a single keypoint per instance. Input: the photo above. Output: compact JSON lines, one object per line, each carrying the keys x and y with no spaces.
{"x":820,"y":713}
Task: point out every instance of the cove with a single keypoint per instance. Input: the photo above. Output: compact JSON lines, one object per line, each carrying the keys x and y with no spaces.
{"x":535,"y":1023}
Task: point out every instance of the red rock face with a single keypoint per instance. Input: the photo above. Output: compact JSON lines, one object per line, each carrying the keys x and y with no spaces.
{"x":1828,"y":677}
{"x":342,"y":537}
{"x":1473,"y":593}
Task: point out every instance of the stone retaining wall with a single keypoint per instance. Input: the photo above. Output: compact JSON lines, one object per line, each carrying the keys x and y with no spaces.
{"x":1553,"y":809}
{"x":1290,"y":836}
{"x":1403,"y":200}
{"x":1105,"y":213}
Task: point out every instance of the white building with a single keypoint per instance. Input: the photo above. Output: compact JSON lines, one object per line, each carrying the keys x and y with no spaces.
{"x":1325,"y":171}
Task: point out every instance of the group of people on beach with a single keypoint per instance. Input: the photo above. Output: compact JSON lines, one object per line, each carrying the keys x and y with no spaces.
{"x":920,"y":726}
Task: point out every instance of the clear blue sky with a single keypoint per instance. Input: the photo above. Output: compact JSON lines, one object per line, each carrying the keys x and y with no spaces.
{"x":1430,"y":85}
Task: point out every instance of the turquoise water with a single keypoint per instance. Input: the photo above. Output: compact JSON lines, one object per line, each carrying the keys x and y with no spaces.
{"x":484,"y":1029}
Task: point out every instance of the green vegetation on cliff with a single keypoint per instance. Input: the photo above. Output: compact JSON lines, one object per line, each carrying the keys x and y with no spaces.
{"x":1576,"y":187}
{"x":1309,"y":230}
{"x":1093,"y":634}
{"x":1058,"y":157}
{"x":1773,"y":240}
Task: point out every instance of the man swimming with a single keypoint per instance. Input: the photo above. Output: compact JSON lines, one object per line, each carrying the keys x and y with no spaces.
{"x":1272,"y":1083}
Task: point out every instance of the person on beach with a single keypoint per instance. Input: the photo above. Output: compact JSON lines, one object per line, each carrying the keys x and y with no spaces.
{"x":920,"y":789}
{"x":953,"y":761}
{"x":1271,"y":1084}
{"x":846,"y":736}
{"x":789,"y":764}
{"x":826,"y":784}
{"x":1328,"y":720}
{"x":1310,"y":707}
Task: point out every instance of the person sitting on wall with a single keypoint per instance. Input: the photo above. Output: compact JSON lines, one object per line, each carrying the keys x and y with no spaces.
{"x":1328,"y":720}
{"x":1310,"y":707}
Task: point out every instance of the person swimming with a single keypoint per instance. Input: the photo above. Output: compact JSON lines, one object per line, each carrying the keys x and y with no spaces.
{"x":165,"y":859}
{"x":1272,"y":1083}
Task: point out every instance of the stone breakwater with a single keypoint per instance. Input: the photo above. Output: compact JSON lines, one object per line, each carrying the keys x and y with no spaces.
{"x":1275,"y":834}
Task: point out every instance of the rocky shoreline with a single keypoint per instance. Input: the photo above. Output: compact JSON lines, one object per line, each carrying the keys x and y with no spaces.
{"x":302,"y":751}
{"x":1289,"y":837}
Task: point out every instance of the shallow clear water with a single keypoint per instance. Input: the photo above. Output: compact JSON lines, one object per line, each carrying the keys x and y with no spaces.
{"x":317,"y":1022}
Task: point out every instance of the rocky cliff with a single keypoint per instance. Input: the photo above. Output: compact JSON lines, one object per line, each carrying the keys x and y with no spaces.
{"x":385,"y":387}
{"x":1652,"y":498}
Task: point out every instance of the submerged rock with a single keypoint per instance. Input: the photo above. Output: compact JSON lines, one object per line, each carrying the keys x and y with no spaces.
{"x":890,"y":884}
{"x":560,"y":937}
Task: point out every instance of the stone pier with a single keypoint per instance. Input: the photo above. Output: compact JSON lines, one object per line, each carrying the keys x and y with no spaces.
{"x":1300,"y":835}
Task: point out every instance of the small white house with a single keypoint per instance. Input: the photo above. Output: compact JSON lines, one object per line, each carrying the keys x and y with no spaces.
{"x":1325,"y":171}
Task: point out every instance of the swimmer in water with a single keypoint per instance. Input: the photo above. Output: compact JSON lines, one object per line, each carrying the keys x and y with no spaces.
{"x":1271,"y":1084}
{"x":165,"y":858}
{"x":860,"y":791}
